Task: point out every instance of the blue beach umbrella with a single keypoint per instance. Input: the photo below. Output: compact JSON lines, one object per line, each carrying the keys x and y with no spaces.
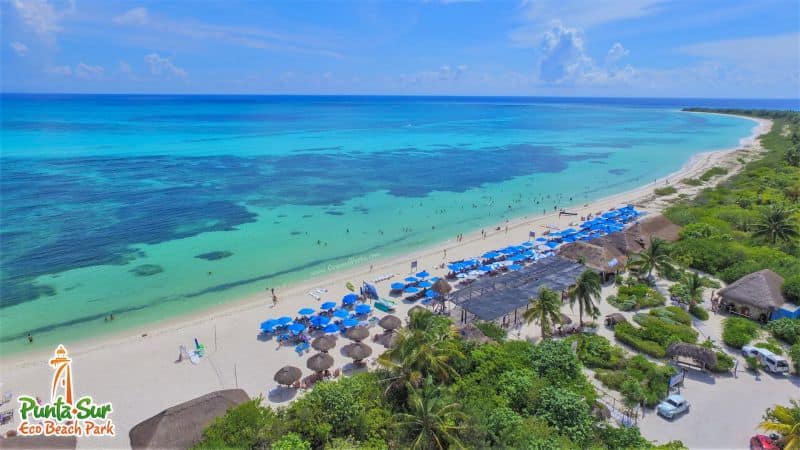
{"x":552,"y":244}
{"x":424,"y":284}
{"x":306,"y":311}
{"x":363,"y":309}
{"x":297,"y":328}
{"x":411,"y":290}
{"x":327,"y":306}
{"x":541,"y":239}
{"x":514,"y":267}
{"x":285,"y":320}
{"x":516,"y":258}
{"x":320,"y":321}
{"x":527,"y":244}
{"x":331,"y":329}
{"x":455,"y":267}
{"x":423,"y":274}
{"x":485,"y":268}
{"x":491,"y":255}
{"x":398,"y":286}
{"x":434,"y":279}
{"x":349,"y":323}
{"x":341,"y":314}
{"x":431,"y":294}
{"x":410,"y":280}
{"x":349,"y":299}
{"x":267,"y":326}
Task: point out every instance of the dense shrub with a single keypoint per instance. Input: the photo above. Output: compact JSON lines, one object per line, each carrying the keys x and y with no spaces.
{"x":652,"y":378}
{"x":785,"y":329}
{"x":699,"y":312}
{"x":738,"y":331}
{"x":667,"y":190}
{"x":692,"y":182}
{"x":628,"y":334}
{"x":664,"y":331}
{"x":492,"y":330}
{"x":597,"y":352}
{"x":713,"y":172}
{"x":794,"y":354}
{"x":724,"y":362}
{"x":773,"y":346}
{"x":791,"y":289}
{"x":636,"y":296}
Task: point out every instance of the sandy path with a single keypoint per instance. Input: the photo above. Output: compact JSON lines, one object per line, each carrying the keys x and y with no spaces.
{"x":136,"y":370}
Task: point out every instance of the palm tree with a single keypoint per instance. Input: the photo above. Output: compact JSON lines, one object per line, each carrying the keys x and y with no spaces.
{"x":776,"y":224}
{"x":692,"y":284}
{"x":545,"y":311}
{"x":586,"y":289}
{"x":784,"y":420}
{"x":654,"y":257}
{"x":431,"y":420}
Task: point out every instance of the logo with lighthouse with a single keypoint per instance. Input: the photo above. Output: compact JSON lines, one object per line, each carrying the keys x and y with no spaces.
{"x":64,"y":415}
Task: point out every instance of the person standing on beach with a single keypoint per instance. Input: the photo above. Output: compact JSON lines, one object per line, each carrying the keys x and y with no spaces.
{"x":30,"y":338}
{"x":274,"y":298}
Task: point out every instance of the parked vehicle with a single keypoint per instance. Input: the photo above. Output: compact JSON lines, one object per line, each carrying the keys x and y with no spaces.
{"x":771,"y":362}
{"x":672,"y":406}
{"x":762,"y":442}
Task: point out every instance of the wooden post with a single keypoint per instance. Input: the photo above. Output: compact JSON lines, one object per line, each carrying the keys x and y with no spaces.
{"x":235,"y":375}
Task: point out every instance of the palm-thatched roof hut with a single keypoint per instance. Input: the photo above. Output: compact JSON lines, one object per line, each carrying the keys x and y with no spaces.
{"x":656,"y":226}
{"x":703,"y":356}
{"x":442,"y":287}
{"x":357,"y":333}
{"x":615,"y":318}
{"x":39,"y":442}
{"x":320,"y":362}
{"x":472,"y":333}
{"x":323,"y":343}
{"x":601,"y":259}
{"x":625,"y":242}
{"x":390,"y":322}
{"x":181,"y":426}
{"x":755,"y":295}
{"x":357,"y":351}
{"x":288,"y":375}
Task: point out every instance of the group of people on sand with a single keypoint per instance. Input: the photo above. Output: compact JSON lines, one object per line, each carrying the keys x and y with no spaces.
{"x":715,"y":301}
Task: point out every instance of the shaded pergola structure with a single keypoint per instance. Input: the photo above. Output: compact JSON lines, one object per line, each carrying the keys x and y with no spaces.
{"x":493,"y":297}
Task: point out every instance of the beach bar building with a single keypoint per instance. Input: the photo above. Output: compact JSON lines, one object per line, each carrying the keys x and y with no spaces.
{"x":605,"y":259}
{"x":491,"y":298}
{"x":756,"y":295}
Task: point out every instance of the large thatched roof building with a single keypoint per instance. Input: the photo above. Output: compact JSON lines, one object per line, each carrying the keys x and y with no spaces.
{"x":181,"y":426}
{"x":755,"y":295}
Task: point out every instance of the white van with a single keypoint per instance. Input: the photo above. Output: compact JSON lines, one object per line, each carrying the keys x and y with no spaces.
{"x":771,"y":362}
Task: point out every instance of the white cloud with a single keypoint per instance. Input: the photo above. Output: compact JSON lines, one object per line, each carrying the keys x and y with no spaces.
{"x":19,"y":48}
{"x":160,"y":65}
{"x":40,"y":16}
{"x":83,"y":70}
{"x":59,"y":70}
{"x":616,"y":52}
{"x":136,"y":16}
{"x":445,"y":73}
{"x":587,"y":13}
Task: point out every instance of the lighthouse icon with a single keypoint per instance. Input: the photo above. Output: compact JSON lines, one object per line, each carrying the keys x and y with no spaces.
{"x":62,"y":377}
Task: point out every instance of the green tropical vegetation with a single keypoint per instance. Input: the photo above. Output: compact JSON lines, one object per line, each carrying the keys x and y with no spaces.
{"x":785,"y":329}
{"x":657,"y":330}
{"x":738,"y":331}
{"x":545,"y":310}
{"x":585,"y":292}
{"x":770,"y":345}
{"x":784,"y":420}
{"x":750,"y":221}
{"x":492,"y":330}
{"x":506,"y":394}
{"x":634,"y":295}
{"x":666,"y":190}
{"x":653,"y":258}
{"x":713,"y":172}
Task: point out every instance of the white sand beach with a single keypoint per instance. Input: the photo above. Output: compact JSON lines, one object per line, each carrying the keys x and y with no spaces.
{"x":137,"y":370}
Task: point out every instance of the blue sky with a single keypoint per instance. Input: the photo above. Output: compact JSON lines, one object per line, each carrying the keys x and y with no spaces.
{"x":651,"y":48}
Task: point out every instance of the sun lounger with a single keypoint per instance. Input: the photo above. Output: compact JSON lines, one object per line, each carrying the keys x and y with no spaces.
{"x":316,"y":293}
{"x":383,"y":278}
{"x":385,"y":304}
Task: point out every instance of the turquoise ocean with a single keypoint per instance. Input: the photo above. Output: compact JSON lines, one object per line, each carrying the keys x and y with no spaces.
{"x":150,"y":207}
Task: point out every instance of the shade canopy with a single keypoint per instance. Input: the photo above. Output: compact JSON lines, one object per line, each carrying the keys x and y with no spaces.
{"x":347,"y":323}
{"x":323,"y":343}
{"x":349,"y":299}
{"x":431,"y":294}
{"x":341,"y":314}
{"x":363,"y":309}
{"x":357,"y":350}
{"x":182,"y":426}
{"x":328,"y":306}
{"x":297,"y":328}
{"x":288,"y":375}
{"x":331,"y":329}
{"x":285,"y":320}
{"x":411,"y":290}
{"x":424,"y":284}
{"x":398,"y":286}
{"x":423,"y":274}
{"x":320,"y":362}
{"x":390,"y":322}
{"x":320,"y":321}
{"x":357,"y":333}
{"x":306,"y":311}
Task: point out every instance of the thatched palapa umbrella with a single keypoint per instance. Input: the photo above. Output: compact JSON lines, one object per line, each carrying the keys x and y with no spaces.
{"x":390,"y":323}
{"x":357,"y":351}
{"x":288,"y":375}
{"x":320,"y":362}
{"x":441,"y":287}
{"x":357,"y":333}
{"x":388,"y":340}
{"x":323,"y":343}
{"x":615,"y":318}
{"x":181,"y":426}
{"x":702,"y":355}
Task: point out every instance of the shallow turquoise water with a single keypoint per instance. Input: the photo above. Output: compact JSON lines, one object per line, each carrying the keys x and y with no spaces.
{"x":149,"y":207}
